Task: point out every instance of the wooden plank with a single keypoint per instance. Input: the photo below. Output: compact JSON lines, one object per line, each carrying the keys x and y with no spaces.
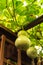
{"x":34,"y":23}
{"x":2,"y":49}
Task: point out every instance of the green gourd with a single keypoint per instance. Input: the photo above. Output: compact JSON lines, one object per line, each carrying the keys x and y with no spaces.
{"x":22,"y":42}
{"x":32,"y":52}
{"x":23,"y":32}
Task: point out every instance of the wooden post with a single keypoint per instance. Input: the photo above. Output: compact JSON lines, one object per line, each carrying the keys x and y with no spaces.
{"x":42,"y":61}
{"x":39,"y":61}
{"x":19,"y":57}
{"x":2,"y":49}
{"x":33,"y":63}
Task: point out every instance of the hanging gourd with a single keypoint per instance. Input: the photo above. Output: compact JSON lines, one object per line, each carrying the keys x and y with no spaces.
{"x":32,"y":53}
{"x":22,"y":42}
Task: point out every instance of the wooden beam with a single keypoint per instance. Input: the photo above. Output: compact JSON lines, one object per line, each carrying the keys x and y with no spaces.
{"x":6,"y":29}
{"x":34,"y":23}
{"x":8,"y":33}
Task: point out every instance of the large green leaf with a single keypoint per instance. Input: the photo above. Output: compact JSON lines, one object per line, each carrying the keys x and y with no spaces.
{"x":2,"y":4}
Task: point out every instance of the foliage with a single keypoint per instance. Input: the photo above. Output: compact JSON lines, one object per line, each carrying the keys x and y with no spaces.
{"x":20,"y":12}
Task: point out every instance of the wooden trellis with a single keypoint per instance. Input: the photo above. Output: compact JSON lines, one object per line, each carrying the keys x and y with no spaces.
{"x":7,"y":47}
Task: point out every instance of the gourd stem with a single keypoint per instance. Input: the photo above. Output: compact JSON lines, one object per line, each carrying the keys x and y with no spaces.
{"x":19,"y":57}
{"x":33,"y":62}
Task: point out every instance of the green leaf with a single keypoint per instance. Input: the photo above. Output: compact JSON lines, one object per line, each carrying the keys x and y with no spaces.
{"x":2,"y":4}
